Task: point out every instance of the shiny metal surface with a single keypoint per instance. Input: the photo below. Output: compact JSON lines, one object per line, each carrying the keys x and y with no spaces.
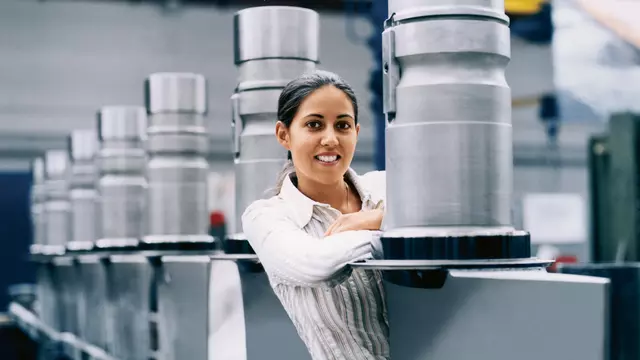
{"x":129,"y":282}
{"x":451,"y":264}
{"x":68,"y":292}
{"x":47,"y":298}
{"x":273,"y":45}
{"x":229,"y":311}
{"x":122,"y":124}
{"x":177,"y":168}
{"x":276,"y":32}
{"x":37,"y":198}
{"x":267,"y":322}
{"x":92,"y":278}
{"x":83,"y":145}
{"x":122,"y":184}
{"x":57,"y":206}
{"x":202,"y":298}
{"x":176,"y":93}
{"x":448,"y":93}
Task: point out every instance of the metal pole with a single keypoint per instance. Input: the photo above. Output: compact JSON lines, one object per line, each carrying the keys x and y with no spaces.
{"x":177,"y":168}
{"x":273,"y":45}
{"x":121,"y":282}
{"x":449,"y":134}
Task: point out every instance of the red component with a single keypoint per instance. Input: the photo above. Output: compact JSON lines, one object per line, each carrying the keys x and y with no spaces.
{"x":216,"y":218}
{"x":565,"y":259}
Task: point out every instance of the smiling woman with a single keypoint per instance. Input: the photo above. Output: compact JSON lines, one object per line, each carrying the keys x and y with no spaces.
{"x":322,"y":217}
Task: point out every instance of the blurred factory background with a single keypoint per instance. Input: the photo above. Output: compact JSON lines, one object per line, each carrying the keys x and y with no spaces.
{"x":574,"y":64}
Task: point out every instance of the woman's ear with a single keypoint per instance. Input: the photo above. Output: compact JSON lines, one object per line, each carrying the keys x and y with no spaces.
{"x":282,"y":134}
{"x":357,"y":129}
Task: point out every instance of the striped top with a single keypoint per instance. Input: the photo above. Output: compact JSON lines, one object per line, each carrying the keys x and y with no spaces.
{"x":339,"y":313}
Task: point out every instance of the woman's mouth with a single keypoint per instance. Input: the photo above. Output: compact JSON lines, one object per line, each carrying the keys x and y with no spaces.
{"x":327,"y":159}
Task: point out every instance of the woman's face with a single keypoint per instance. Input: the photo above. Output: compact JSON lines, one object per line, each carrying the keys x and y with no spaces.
{"x":322,"y":136}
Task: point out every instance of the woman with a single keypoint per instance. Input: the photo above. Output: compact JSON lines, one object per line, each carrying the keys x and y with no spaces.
{"x":323,"y":217}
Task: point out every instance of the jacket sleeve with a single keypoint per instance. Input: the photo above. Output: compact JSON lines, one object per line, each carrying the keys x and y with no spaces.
{"x":289,"y":255}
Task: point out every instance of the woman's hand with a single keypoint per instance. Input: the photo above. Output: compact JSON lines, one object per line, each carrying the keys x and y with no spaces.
{"x":363,"y":220}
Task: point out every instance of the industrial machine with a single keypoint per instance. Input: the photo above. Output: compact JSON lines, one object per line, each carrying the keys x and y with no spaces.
{"x":448,"y":210}
{"x":143,"y":280}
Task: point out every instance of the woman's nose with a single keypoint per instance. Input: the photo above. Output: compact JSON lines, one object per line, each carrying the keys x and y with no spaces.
{"x":329,"y":138}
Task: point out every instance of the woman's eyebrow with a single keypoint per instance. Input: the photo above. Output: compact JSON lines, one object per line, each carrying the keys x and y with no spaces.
{"x":314,"y":115}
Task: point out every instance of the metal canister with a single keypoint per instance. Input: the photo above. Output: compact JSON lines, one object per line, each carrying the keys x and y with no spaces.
{"x":82,"y":189}
{"x":449,"y":136}
{"x":122,"y":184}
{"x":177,"y":167}
{"x":115,"y":289}
{"x":37,"y":205}
{"x":56,"y":206}
{"x":273,"y":45}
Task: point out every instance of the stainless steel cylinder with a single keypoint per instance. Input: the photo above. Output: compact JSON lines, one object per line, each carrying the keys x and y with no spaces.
{"x":83,"y":145}
{"x":37,"y":205}
{"x":177,"y":168}
{"x":57,"y":206}
{"x":273,"y":45}
{"x":449,"y":136}
{"x":122,"y":184}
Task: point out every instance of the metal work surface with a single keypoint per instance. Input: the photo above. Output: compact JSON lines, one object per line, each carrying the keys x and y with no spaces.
{"x":500,"y":315}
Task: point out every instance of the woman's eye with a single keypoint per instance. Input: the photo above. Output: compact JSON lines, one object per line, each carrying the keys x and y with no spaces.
{"x":314,"y":124}
{"x":343,"y":126}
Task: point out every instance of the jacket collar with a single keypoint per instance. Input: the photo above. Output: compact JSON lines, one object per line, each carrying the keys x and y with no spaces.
{"x":304,"y":206}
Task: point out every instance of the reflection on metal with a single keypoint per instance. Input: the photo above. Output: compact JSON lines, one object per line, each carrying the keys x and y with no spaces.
{"x":83,"y":145}
{"x":129,"y":282}
{"x":268,"y":54}
{"x":200,"y":297}
{"x":122,"y":184}
{"x":57,"y":207}
{"x":177,"y":167}
{"x":460,"y":195}
{"x":38,"y":197}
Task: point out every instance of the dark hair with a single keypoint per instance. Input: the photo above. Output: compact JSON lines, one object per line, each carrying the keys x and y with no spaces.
{"x":292,"y":96}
